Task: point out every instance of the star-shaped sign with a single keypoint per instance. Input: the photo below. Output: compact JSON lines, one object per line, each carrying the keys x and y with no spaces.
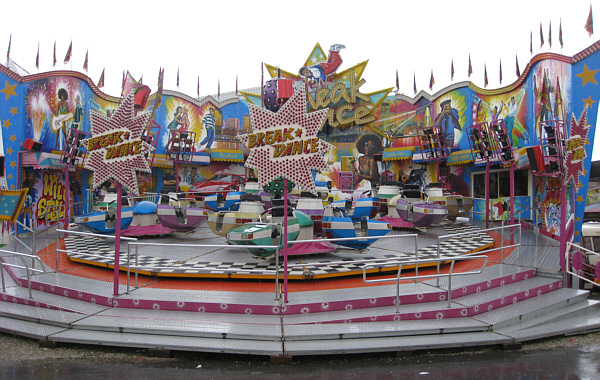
{"x":587,"y":75}
{"x":116,"y":149}
{"x":278,"y":149}
{"x":575,"y":148}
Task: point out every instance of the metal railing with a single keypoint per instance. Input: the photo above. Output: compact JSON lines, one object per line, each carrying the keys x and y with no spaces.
{"x":276,"y":272}
{"x":149,"y":268}
{"x":28,"y":269}
{"x":66,"y":233}
{"x":417,"y":276}
{"x":515,"y":227}
{"x":576,"y":267}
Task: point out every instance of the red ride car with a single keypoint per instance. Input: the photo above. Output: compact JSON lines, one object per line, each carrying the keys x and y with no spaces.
{"x":219,"y":183}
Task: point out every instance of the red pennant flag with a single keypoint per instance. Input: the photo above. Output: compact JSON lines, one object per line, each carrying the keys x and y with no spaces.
{"x":518,"y":69}
{"x":85,"y":62}
{"x":431,"y":81}
{"x":397,"y":82}
{"x":589,"y":24}
{"x":550,"y":35}
{"x":470,"y":67}
{"x":54,"y":62}
{"x":531,"y":42}
{"x":500,"y":71}
{"x":178,"y":77}
{"x":101,"y":80}
{"x":452,"y":70}
{"x":8,"y":50}
{"x":541,"y":36}
{"x":560,"y":40}
{"x":37,"y":58}
{"x":485,"y":78}
{"x":69,"y":51}
{"x":415,"y":83}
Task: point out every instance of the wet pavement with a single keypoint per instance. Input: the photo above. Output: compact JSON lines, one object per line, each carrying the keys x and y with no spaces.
{"x":562,"y":358}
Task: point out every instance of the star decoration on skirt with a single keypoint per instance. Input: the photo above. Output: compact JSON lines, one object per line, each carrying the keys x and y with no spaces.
{"x":575,"y":148}
{"x":285,"y":143}
{"x":116,"y":149}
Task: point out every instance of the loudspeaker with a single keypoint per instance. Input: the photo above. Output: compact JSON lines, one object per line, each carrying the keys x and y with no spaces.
{"x":141,"y":97}
{"x":33,"y":146}
{"x":536,"y":161}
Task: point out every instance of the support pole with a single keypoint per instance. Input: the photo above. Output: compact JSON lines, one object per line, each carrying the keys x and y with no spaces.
{"x":512,"y":193}
{"x":285,"y":240}
{"x":563,"y":225}
{"x":176,"y":177}
{"x":67,"y":196}
{"x":487,"y":195}
{"x":117,"y":237}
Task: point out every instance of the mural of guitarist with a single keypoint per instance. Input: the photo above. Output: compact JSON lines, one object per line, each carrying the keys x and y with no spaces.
{"x":62,"y":118}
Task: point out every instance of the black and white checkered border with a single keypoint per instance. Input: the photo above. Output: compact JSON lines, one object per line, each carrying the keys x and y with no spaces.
{"x":79,"y":246}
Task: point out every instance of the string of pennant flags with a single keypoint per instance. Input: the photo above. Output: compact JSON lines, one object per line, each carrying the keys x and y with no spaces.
{"x":589,"y":27}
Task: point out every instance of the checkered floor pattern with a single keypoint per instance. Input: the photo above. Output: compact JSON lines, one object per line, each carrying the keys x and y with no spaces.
{"x":470,"y":239}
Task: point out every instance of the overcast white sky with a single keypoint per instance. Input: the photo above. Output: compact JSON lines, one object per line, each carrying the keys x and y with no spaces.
{"x":220,"y":40}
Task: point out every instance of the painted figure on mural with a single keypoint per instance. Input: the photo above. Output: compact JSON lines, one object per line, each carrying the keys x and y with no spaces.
{"x":209,"y":125}
{"x":78,"y":114}
{"x":29,"y":182}
{"x":319,"y":72}
{"x":185,"y":121}
{"x":195,"y":177}
{"x":61,"y":116}
{"x":177,"y":119}
{"x":495,"y":113}
{"x":448,"y":118}
{"x":367,"y":168}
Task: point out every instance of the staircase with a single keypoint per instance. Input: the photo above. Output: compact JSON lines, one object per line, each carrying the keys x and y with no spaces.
{"x":503,"y":305}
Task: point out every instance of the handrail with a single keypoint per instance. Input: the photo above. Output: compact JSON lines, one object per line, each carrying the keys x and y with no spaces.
{"x":417,"y":276}
{"x":137,"y":267}
{"x":571,"y":245}
{"x":81,"y":233}
{"x":27,"y":269}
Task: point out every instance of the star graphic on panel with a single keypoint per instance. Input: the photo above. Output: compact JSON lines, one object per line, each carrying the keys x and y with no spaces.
{"x":579,"y":198}
{"x":276,"y":150}
{"x":9,"y":151}
{"x":13,"y":164}
{"x":575,"y":154}
{"x":12,"y":138}
{"x":13,"y":111}
{"x":6,"y":123}
{"x":9,"y":90}
{"x":115,"y":148}
{"x":587,"y":75}
{"x":589,"y":102}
